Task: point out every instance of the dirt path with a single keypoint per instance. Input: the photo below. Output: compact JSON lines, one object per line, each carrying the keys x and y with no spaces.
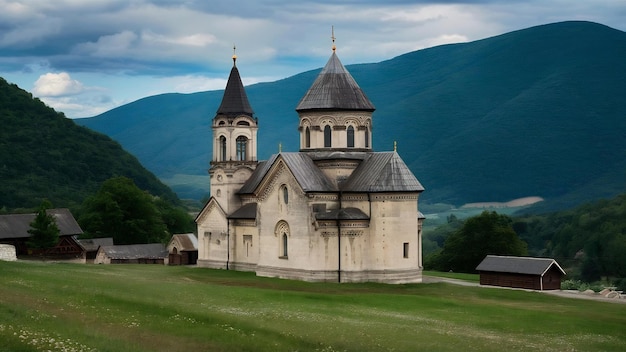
{"x":561,"y":293}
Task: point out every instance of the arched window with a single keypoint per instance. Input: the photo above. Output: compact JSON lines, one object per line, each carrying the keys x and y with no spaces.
{"x":222,"y":148}
{"x":243,"y":123}
{"x":367,"y":137}
{"x":281,"y":231}
{"x":307,"y":137}
{"x":285,"y":195}
{"x":242,"y":143}
{"x":350,"y":136}
{"x":327,"y":137}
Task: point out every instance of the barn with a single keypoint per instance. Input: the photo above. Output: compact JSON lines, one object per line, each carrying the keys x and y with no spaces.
{"x":14,"y":231}
{"x":520,"y":272}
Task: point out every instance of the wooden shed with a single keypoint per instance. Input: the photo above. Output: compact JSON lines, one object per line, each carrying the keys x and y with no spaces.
{"x":92,"y":245}
{"x":183,"y":249}
{"x":521,"y":272}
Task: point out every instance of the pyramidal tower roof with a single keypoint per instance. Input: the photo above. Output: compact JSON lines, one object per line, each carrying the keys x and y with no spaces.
{"x":235,"y":100}
{"x":335,"y":89}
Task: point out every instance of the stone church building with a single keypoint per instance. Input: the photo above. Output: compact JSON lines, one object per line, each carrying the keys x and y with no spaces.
{"x":333,"y":211}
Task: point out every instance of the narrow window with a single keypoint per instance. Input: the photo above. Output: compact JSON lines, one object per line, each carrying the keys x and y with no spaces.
{"x":327,"y":137}
{"x":242,"y":143}
{"x":285,"y":245}
{"x":222,"y":148}
{"x":307,"y":137}
{"x":405,"y":249}
{"x":350,"y":136}
{"x":367,"y":137}
{"x":285,"y":194}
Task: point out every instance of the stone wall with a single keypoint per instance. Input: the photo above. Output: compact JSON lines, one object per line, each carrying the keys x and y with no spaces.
{"x":7,"y":252}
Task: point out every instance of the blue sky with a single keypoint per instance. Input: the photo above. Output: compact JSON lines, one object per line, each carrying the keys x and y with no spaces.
{"x":84,"y":57}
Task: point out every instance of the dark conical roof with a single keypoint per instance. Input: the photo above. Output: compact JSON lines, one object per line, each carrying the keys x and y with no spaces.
{"x":235,"y":100}
{"x":334,"y":88}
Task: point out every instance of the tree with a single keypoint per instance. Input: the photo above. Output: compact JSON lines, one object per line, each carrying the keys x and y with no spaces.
{"x":44,"y":229}
{"x":487,"y":233}
{"x":124,"y":212}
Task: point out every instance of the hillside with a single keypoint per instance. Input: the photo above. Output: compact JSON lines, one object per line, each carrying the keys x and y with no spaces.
{"x":536,"y":112}
{"x":45,"y":155}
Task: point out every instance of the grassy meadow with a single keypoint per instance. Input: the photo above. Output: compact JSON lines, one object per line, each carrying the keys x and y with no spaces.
{"x":72,"y":307}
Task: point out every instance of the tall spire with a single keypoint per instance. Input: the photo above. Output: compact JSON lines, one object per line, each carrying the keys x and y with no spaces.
{"x":235,"y":101}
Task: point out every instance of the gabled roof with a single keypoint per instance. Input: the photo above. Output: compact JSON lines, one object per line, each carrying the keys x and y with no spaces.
{"x":211,"y":201}
{"x":185,"y":242}
{"x":335,"y":89}
{"x":307,"y":174}
{"x":518,"y":265}
{"x":17,"y":225}
{"x":136,"y":251}
{"x":382,"y":172}
{"x":92,"y":244}
{"x":235,"y":101}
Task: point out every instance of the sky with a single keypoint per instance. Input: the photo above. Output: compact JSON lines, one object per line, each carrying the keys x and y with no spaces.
{"x":85,"y":57}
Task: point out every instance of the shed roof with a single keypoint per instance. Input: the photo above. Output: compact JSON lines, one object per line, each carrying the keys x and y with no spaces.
{"x":136,"y":251}
{"x":235,"y":101}
{"x":17,"y":225}
{"x":247,"y":211}
{"x":334,"y":88}
{"x":518,"y":265}
{"x":342,"y":214}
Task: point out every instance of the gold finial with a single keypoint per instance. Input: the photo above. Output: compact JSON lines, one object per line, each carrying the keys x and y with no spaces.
{"x":234,"y":54}
{"x":395,"y":146}
{"x":280,"y":147}
{"x":333,"y":37}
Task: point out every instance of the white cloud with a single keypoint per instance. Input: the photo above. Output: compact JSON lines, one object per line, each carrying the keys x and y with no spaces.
{"x":57,"y":85}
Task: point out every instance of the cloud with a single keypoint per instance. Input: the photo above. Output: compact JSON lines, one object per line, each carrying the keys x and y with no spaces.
{"x":57,"y":85}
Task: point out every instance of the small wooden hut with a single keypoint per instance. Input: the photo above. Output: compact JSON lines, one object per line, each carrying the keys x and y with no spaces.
{"x":183,"y":249}
{"x":521,"y":272}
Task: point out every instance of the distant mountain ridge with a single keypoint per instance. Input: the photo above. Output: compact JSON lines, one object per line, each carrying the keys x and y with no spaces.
{"x":535,"y":112}
{"x":45,"y":155}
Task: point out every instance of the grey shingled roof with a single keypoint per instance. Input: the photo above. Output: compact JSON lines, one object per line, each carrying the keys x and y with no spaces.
{"x":382,"y":172}
{"x":517,"y":265}
{"x":235,"y":101}
{"x":17,"y":225}
{"x":136,"y":251}
{"x":247,"y":211}
{"x":342,"y":214}
{"x":307,"y":174}
{"x":334,"y":88}
{"x":92,"y":244}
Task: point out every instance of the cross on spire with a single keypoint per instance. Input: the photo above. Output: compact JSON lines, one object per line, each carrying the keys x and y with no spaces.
{"x":333,"y":37}
{"x":234,"y":54}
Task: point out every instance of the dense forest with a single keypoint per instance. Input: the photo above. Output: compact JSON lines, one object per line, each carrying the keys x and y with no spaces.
{"x":44,"y":155}
{"x":589,"y":241}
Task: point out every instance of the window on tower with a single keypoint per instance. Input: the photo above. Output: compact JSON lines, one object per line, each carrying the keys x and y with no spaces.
{"x":222,"y":148}
{"x":367,"y":137}
{"x":350,"y":136}
{"x":327,"y":137}
{"x":242,"y":144}
{"x":307,"y":137}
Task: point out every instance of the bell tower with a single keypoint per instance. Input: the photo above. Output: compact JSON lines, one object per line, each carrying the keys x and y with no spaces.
{"x":234,"y":143}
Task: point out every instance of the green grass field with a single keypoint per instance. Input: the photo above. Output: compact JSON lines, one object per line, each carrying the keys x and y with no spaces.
{"x":71,"y":307}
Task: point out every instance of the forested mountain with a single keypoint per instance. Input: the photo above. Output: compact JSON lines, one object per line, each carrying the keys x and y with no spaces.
{"x":536,"y":112}
{"x":45,"y":155}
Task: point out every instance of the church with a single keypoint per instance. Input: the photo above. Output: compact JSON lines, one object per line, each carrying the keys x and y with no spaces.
{"x":334,"y":211}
